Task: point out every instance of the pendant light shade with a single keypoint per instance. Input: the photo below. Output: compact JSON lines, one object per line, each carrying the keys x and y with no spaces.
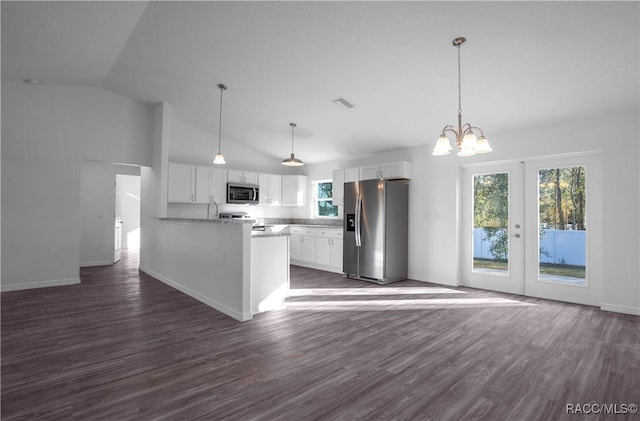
{"x":292,"y":161}
{"x":219,"y":159}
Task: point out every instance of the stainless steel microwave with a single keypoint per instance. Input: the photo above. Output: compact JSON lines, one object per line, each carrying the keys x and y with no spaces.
{"x":243,"y":193}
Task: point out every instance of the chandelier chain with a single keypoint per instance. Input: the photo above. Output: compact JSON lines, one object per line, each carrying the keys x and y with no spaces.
{"x":459,"y":84}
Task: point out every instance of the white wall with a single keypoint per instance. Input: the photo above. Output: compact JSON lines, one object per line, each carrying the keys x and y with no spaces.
{"x":47,"y":131}
{"x":434,"y":242}
{"x":98,"y":197}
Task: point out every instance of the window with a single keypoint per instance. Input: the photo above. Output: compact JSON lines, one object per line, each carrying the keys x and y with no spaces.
{"x":323,"y":199}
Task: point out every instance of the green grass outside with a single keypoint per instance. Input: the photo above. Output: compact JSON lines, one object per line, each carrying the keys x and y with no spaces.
{"x":545,"y":268}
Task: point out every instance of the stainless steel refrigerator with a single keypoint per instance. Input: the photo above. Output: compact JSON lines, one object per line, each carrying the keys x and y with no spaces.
{"x":376,"y":230}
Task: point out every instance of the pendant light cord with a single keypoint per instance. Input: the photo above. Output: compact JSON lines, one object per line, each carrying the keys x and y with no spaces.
{"x":293,"y":125}
{"x":222,"y":88}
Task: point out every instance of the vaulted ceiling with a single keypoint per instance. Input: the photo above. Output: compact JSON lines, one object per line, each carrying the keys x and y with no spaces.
{"x":524,"y":64}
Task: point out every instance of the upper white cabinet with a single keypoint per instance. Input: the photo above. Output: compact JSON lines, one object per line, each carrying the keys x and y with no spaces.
{"x":338,"y":188}
{"x":244,"y":177}
{"x":211,"y":185}
{"x":389,"y":170}
{"x":351,"y":175}
{"x":294,"y":190}
{"x":182,"y":183}
{"x":196,"y":184}
{"x":270,"y":189}
{"x":203,"y":185}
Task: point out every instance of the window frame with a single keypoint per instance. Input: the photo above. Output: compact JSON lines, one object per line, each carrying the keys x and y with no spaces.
{"x":316,"y":200}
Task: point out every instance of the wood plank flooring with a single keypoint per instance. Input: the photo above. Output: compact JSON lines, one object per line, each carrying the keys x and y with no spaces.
{"x":124,"y":346}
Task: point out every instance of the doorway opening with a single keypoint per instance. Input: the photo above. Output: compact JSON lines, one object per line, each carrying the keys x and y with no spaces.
{"x":110,"y":212}
{"x":127,"y":215}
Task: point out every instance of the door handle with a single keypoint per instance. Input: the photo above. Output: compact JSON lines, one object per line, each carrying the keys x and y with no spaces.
{"x":358,"y":209}
{"x":516,"y":235}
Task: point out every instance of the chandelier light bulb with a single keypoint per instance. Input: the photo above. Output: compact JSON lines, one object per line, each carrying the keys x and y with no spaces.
{"x":469,"y":141}
{"x":483,"y":145}
{"x":443,"y":146}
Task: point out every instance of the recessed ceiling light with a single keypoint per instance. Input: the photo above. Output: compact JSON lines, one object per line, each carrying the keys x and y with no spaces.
{"x":32,"y":81}
{"x":343,"y":103}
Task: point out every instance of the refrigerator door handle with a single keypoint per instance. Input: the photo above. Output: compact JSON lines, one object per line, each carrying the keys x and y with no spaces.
{"x":358,"y":210}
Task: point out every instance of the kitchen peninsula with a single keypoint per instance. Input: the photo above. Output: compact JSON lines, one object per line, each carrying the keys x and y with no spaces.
{"x":220,"y":263}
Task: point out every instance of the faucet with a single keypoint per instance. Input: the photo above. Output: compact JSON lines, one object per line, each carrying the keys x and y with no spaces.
{"x":209,"y":209}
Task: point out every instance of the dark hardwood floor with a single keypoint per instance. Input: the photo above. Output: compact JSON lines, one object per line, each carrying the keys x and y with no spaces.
{"x":124,"y":346}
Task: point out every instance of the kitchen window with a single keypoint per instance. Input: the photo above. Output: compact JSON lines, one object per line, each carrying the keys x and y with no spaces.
{"x":323,"y":199}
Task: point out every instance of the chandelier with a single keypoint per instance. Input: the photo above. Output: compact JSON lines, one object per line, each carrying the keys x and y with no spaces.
{"x":466,"y":141}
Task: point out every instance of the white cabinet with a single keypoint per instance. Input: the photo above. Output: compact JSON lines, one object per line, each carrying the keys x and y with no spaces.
{"x":389,"y":171}
{"x":319,"y":248}
{"x":203,"y":185}
{"x":302,"y":244}
{"x":294,"y":190}
{"x":181,"y":183}
{"x":338,"y":188}
{"x":218,"y":185}
{"x":336,"y":253}
{"x":196,"y":184}
{"x":329,"y":248}
{"x":243,"y":177}
{"x":351,"y":175}
{"x":270,"y":189}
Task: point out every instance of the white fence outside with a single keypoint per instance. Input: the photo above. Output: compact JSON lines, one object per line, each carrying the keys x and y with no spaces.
{"x":556,"y":246}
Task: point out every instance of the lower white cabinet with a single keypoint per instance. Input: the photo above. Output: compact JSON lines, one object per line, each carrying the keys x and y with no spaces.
{"x":302,"y":244}
{"x":319,"y":248}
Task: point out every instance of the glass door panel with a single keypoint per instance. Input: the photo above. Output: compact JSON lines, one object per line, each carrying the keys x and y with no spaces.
{"x":491,"y":223}
{"x":562,"y":225}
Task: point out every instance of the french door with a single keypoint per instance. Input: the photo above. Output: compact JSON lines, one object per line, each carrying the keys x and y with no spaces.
{"x":492,"y":226}
{"x":534,"y":228}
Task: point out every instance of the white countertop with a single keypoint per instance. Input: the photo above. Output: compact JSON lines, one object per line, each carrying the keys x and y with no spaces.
{"x":213,"y":220}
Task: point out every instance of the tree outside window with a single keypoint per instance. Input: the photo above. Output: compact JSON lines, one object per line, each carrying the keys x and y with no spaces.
{"x":323,"y":199}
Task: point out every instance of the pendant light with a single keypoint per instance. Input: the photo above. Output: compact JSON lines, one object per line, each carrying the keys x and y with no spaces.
{"x":219,"y":159}
{"x":466,"y":141}
{"x":292,"y":161}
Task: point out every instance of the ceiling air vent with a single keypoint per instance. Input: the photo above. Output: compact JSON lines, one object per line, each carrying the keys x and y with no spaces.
{"x":342,"y":103}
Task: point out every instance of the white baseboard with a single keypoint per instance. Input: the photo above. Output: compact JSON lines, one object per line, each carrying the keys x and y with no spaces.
{"x":620,"y":309}
{"x":416,"y":277}
{"x":205,"y":300}
{"x":316,"y":266}
{"x":40,"y":284}
{"x":99,"y":263}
